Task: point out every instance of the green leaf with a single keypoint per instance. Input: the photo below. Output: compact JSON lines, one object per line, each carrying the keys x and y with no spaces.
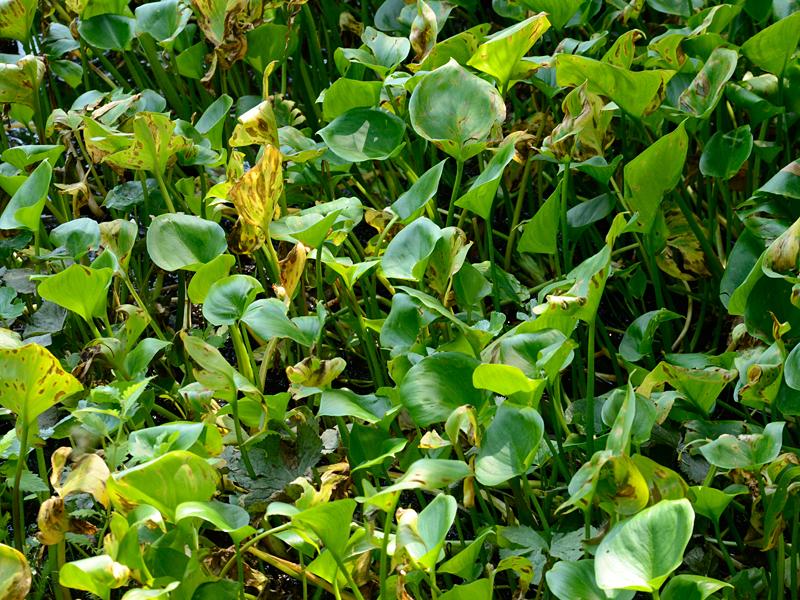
{"x":79,"y":289}
{"x":540,"y":235}
{"x":640,"y":553}
{"x":477,"y":590}
{"x":330,"y":522}
{"x":211,"y":122}
{"x":79,"y":236}
{"x":481,"y":194}
{"x":771,"y":48}
{"x":638,"y":339}
{"x":108,"y":31}
{"x":558,"y":11}
{"x":406,"y":257}
{"x":653,"y":173}
{"x":692,"y":587}
{"x":704,"y":92}
{"x":97,"y":574}
{"x":208,"y":274}
{"x":636,"y":92}
{"x":422,"y":535}
{"x":509,"y":444}
{"x":745,"y":451}
{"x":267,"y":319}
{"x":466,"y":563}
{"x":419,"y":194}
{"x":456,"y":110}
{"x":164,"y":20}
{"x":165,"y":483}
{"x":24,"y":210}
{"x":228,"y":299}
{"x":229,"y":518}
{"x":424,"y":474}
{"x":345,"y":94}
{"x":500,"y":54}
{"x":726,"y":152}
{"x":344,"y":403}
{"x":571,"y":579}
{"x":437,"y":385}
{"x":15,"y":574}
{"x":24,"y":156}
{"x":179,"y":241}
{"x":364,"y":134}
{"x":711,"y":502}
{"x":267,"y":43}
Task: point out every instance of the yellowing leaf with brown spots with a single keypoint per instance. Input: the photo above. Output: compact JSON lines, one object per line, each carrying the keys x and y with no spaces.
{"x":292,"y":269}
{"x":32,"y":380}
{"x":16,"y":18}
{"x":88,"y":474}
{"x":255,"y":196}
{"x":256,"y":126}
{"x":18,"y":80}
{"x":15,"y":574}
{"x":153,"y":147}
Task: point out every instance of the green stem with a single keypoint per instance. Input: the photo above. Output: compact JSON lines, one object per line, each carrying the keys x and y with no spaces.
{"x":250,"y":543}
{"x":590,"y":391}
{"x":245,"y":367}
{"x":454,"y":194}
{"x":387,"y":526}
{"x":17,"y":507}
{"x":164,"y":192}
{"x":564,"y":205}
{"x":523,"y":186}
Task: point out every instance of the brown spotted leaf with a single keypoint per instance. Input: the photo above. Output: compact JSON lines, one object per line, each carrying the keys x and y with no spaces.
{"x":255,"y":196}
{"x":32,"y":380}
{"x":15,"y":574}
{"x":16,"y":18}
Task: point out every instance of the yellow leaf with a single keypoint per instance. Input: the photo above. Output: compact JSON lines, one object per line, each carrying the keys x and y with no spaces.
{"x":255,"y":196}
{"x":89,"y":474}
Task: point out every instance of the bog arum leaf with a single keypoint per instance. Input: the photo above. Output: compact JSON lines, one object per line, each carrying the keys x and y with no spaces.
{"x":636,"y":92}
{"x":88,"y":474}
{"x":653,"y":173}
{"x":346,"y":94}
{"x":437,"y":385}
{"x":24,"y":210}
{"x":419,"y":194}
{"x":745,"y":451}
{"x":456,"y":110}
{"x":424,"y":474}
{"x":228,"y":299}
{"x":509,"y":444}
{"x":208,"y":274}
{"x":254,"y":196}
{"x":108,"y":31}
{"x":364,"y":134}
{"x":179,"y":241}
{"x":422,"y":535}
{"x":79,"y":289}
{"x":480,"y":196}
{"x":711,"y":502}
{"x":165,"y":483}
{"x":15,"y":574}
{"x":408,"y":253}
{"x":16,"y":18}
{"x":97,"y":574}
{"x":558,"y":11}
{"x":229,"y":518}
{"x":638,"y":339}
{"x":692,"y":587}
{"x":153,"y":145}
{"x":771,"y":48}
{"x":640,"y":553}
{"x":330,"y":522}
{"x":501,"y":52}
{"x":540,"y":235}
{"x":726,"y":152}
{"x":19,"y":80}
{"x":571,"y":579}
{"x":24,"y":156}
{"x":704,"y":92}
{"x":164,"y":20}
{"x":267,"y":319}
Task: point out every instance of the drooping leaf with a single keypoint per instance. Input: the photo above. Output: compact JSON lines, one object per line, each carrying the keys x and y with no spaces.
{"x":745,"y":451}
{"x":15,"y":574}
{"x":97,"y":574}
{"x":692,"y":587}
{"x":24,"y":210}
{"x":704,"y":92}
